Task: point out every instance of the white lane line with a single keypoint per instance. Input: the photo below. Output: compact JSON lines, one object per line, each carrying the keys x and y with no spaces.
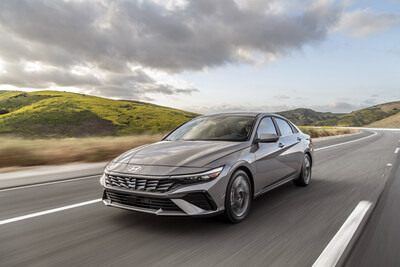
{"x":344,"y":143}
{"x":49,"y":183}
{"x":40,"y":213}
{"x":397,"y":150}
{"x":389,"y":164}
{"x":332,"y":253}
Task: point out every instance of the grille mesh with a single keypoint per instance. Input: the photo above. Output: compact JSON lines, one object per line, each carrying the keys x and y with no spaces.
{"x":141,"y":184}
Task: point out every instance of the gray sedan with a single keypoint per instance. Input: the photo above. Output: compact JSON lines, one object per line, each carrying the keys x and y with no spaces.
{"x":210,"y":165}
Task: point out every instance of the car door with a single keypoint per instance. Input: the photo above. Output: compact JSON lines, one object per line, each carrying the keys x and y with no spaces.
{"x":292,"y":152}
{"x":269,"y":157}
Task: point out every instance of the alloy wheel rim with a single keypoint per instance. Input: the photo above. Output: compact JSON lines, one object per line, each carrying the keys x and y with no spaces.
{"x":240,"y":196}
{"x":307,"y":170}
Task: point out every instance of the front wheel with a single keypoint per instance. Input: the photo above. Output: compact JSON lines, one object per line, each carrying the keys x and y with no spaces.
{"x":238,"y":197}
{"x":304,"y":178}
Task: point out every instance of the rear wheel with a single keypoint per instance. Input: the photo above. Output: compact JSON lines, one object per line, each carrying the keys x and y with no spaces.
{"x":238,"y":197}
{"x":304,"y":178}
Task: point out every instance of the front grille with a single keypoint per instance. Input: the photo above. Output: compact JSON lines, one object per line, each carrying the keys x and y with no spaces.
{"x":141,"y":184}
{"x":142,"y":202}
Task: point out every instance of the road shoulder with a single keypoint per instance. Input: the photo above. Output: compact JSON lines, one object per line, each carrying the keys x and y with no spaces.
{"x":379,"y":242}
{"x":45,"y":174}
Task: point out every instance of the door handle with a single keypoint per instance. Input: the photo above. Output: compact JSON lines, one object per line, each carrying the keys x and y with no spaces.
{"x":299,"y":139}
{"x":281,"y":145}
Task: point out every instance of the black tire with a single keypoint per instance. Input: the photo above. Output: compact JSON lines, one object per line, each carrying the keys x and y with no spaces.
{"x":235,"y":213}
{"x":304,"y":178}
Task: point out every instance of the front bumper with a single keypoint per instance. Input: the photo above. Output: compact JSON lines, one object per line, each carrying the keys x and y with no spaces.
{"x":192,"y":200}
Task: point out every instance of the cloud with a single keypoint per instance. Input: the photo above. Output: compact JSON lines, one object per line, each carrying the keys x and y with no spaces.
{"x":340,"y":106}
{"x":370,"y":101}
{"x":130,"y":84}
{"x":361,"y":23}
{"x":92,"y":45}
{"x":282,"y":97}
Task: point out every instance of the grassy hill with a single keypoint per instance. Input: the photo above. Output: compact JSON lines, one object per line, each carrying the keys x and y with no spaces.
{"x":309,"y":117}
{"x":390,"y":122}
{"x":62,"y":114}
{"x":362,"y":117}
{"x":369,"y":115}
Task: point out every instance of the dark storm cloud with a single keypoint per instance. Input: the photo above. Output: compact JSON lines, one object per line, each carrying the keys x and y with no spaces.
{"x":112,"y":36}
{"x":170,"y":90}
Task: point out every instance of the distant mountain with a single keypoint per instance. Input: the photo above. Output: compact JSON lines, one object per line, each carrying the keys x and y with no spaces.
{"x":362,"y":117}
{"x":389,"y":122}
{"x":308,"y":117}
{"x":369,"y":115}
{"x":62,"y":114}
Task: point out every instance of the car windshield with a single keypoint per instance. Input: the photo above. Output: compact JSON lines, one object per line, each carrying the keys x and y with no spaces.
{"x":214,"y":128}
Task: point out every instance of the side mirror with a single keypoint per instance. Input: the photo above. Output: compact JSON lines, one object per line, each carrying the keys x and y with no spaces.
{"x":267,"y":138}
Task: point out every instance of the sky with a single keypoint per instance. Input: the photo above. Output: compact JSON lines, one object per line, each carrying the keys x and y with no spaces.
{"x":207,"y":56}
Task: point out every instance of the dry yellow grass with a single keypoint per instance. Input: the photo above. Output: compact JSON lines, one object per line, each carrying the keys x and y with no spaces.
{"x":387,"y":107}
{"x":25,"y":152}
{"x":390,"y":122}
{"x":315,"y":132}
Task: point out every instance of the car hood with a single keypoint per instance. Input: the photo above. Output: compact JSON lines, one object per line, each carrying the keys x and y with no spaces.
{"x":180,"y":153}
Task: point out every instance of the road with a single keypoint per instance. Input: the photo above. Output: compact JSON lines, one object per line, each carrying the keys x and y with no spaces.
{"x":380,"y":241}
{"x":289,"y":226}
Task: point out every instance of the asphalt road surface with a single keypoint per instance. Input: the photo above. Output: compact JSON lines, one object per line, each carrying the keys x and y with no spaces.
{"x":289,"y":226}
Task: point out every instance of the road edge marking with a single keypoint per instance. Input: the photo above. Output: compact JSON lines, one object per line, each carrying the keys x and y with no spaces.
{"x":40,"y":213}
{"x":348,"y":142}
{"x":334,"y":250}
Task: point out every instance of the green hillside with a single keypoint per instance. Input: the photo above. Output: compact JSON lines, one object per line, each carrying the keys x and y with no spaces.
{"x":62,"y":114}
{"x":309,"y":117}
{"x":369,"y":115}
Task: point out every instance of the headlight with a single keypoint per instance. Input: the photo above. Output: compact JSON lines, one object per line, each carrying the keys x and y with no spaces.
{"x":110,"y":165}
{"x":199,"y":177}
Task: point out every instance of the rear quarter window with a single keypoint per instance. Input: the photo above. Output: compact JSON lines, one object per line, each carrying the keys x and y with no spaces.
{"x":284,"y":127}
